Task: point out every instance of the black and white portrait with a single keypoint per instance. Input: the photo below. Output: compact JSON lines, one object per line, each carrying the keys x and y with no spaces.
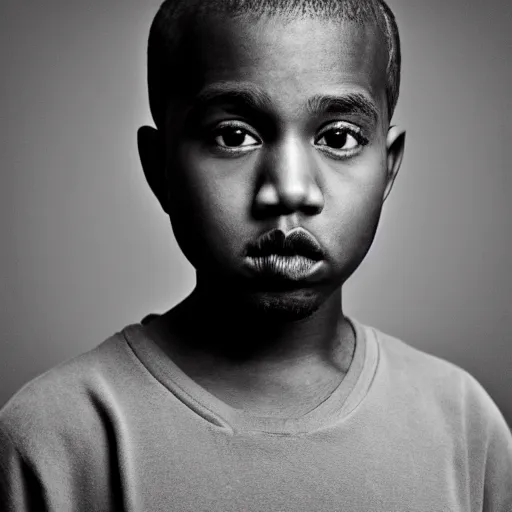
{"x":255,"y":256}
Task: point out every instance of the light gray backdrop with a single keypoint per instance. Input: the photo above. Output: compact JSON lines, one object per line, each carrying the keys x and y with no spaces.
{"x":86,"y":250}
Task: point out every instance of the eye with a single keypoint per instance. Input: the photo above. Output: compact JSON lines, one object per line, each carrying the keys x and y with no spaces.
{"x":235,"y":137}
{"x":338,"y":139}
{"x":341,"y":140}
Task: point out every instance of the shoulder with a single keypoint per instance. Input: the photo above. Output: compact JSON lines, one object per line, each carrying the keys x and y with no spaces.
{"x":438,"y":382}
{"x":58,"y":432}
{"x":453,"y":410}
{"x":64,"y":396}
{"x":403,"y":360}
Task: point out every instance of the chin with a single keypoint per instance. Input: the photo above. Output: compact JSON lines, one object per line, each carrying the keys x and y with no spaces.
{"x":287,"y":306}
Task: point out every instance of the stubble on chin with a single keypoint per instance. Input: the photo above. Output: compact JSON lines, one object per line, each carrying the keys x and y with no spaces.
{"x":283,"y":307}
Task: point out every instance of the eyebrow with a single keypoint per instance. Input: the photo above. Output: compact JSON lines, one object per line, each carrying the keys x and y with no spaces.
{"x":252,"y":97}
{"x":249,"y":96}
{"x":348,"y":104}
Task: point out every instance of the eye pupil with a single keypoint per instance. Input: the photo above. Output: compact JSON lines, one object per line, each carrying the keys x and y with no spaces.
{"x":336,"y":138}
{"x":233,"y":137}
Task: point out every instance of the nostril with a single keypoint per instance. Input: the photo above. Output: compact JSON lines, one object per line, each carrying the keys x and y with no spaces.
{"x":312,"y":209}
{"x":266,"y":211}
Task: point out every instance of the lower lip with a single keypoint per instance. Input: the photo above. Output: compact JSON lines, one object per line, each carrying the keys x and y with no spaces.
{"x":292,"y":268}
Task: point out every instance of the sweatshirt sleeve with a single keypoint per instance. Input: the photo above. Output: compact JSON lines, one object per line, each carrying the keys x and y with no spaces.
{"x":20,"y":490}
{"x":490,"y":449}
{"x":498,"y":468}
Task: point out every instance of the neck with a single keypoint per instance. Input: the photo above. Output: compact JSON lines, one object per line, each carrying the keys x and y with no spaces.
{"x":258,"y":361}
{"x":229,"y":330}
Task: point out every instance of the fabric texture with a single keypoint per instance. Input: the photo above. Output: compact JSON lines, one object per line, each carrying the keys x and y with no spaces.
{"x":122,"y":428}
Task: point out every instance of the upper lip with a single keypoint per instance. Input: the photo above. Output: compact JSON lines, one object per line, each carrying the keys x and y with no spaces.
{"x":298,"y":241}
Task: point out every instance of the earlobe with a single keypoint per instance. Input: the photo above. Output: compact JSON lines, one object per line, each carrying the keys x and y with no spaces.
{"x":152,"y":158}
{"x":395,"y":146}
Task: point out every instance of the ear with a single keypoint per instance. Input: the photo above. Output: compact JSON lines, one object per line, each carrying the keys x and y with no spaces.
{"x":152,"y":157}
{"x":395,"y":146}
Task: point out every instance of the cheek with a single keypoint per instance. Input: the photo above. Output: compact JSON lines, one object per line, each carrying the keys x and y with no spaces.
{"x":211,"y":207}
{"x":355,"y":203}
{"x":217,"y":192}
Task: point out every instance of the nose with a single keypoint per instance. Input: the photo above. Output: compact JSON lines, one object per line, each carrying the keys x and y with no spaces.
{"x":288,"y":181}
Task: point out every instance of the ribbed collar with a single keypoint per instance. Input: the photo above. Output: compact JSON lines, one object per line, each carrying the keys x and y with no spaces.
{"x":342,"y":402}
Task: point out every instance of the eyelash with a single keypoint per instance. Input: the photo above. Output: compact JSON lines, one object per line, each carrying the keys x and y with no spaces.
{"x":350,"y":129}
{"x":237,"y":149}
{"x":340,"y":154}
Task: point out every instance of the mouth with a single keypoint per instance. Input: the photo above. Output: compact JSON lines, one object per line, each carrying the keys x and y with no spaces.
{"x":292,"y":257}
{"x":289,"y":267}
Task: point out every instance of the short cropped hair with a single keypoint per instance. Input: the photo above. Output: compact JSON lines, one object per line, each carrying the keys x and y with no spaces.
{"x":175,"y":18}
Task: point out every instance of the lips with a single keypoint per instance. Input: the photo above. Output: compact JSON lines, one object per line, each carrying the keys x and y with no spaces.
{"x":292,"y":268}
{"x":294,"y":256}
{"x":297,"y":242}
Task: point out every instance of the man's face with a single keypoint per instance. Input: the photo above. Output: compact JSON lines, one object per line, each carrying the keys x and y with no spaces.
{"x":283,"y":126}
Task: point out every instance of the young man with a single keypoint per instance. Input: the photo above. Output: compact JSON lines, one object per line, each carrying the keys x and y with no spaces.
{"x":272,"y":155}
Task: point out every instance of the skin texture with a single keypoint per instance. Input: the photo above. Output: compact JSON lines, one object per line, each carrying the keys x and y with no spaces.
{"x":285,"y":167}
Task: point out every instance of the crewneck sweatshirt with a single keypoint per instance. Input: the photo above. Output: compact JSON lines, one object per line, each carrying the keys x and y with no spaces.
{"x":123,"y":428}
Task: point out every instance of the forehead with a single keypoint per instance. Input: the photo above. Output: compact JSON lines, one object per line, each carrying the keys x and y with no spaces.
{"x":290,"y":59}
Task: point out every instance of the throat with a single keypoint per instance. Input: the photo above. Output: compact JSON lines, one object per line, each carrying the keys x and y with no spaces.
{"x":282,"y":386}
{"x":269,"y":369}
